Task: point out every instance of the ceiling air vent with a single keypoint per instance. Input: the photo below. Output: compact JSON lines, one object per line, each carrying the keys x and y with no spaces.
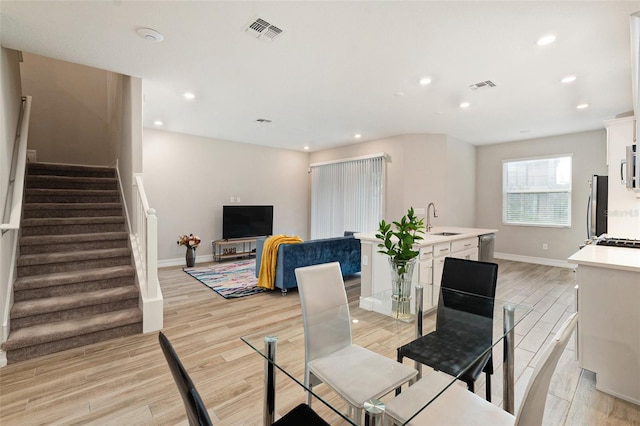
{"x":263,"y":30}
{"x":487,"y":84}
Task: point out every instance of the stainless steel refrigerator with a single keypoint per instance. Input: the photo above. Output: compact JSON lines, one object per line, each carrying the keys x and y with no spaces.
{"x":597,"y":208}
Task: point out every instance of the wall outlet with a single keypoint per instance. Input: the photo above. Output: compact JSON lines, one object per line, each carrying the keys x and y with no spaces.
{"x":238,"y":199}
{"x":545,"y":246}
{"x":233,"y":199}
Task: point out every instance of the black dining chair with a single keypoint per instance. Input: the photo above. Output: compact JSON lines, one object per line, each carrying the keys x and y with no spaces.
{"x":464,"y":325}
{"x":197,"y":412}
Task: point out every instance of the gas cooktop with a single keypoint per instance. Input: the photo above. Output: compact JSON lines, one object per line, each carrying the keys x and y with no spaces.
{"x":617,"y":242}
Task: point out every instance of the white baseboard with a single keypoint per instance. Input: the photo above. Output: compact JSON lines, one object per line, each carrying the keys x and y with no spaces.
{"x":536,"y":260}
{"x":181,"y":261}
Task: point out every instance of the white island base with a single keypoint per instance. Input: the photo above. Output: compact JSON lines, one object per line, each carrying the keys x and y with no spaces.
{"x":609,"y":324}
{"x":434,"y":248}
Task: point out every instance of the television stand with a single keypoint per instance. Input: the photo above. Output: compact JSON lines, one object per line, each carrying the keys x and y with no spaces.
{"x":225,"y":249}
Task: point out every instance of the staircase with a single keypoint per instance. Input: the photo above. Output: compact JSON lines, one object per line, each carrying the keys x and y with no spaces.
{"x":75,"y":282}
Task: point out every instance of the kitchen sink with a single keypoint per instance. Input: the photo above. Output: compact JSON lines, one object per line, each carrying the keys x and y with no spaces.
{"x":446,"y":234}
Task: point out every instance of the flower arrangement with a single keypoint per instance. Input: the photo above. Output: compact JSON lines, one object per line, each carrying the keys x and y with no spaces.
{"x":192,"y":241}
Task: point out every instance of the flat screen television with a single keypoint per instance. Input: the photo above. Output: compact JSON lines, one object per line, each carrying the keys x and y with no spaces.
{"x":246,"y":221}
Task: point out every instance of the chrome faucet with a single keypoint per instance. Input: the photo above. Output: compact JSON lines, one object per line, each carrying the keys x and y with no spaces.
{"x":435,"y":214}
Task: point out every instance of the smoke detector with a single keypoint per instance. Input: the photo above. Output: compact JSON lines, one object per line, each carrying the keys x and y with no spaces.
{"x":263,"y":30}
{"x":150,"y":35}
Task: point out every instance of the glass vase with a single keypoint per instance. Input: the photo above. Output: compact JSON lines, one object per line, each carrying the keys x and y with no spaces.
{"x":191,"y":256}
{"x":401,"y":278}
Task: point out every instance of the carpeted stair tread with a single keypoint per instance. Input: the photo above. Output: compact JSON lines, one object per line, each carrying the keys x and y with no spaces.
{"x":44,"y":333}
{"x":72,"y":301}
{"x":71,"y":256}
{"x":76,"y":282}
{"x":71,"y":206}
{"x":72,"y":277}
{"x":58,"y":169}
{"x":72,"y":238}
{"x":98,"y":220}
{"x":53,"y":195}
{"x":71,"y":179}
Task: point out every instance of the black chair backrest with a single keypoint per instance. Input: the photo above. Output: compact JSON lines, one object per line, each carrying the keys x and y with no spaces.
{"x":196,"y":411}
{"x":469,"y":276}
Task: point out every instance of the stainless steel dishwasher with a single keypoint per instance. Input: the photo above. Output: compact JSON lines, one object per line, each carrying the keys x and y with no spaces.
{"x":486,"y":245}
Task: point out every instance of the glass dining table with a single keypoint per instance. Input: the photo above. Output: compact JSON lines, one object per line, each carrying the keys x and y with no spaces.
{"x":488,"y":323}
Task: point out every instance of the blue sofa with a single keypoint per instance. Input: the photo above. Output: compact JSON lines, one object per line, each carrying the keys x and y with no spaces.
{"x":345,"y":250}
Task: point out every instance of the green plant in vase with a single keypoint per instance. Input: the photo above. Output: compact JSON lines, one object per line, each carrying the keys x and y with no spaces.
{"x":398,"y":239}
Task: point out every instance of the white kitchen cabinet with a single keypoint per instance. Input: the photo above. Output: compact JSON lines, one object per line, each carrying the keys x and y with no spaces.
{"x":609,"y":324}
{"x":465,"y":249}
{"x":425,"y":275}
{"x":623,"y":206}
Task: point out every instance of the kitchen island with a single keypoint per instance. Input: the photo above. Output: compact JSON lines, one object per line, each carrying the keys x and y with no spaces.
{"x":376,"y":277}
{"x":608,"y":281}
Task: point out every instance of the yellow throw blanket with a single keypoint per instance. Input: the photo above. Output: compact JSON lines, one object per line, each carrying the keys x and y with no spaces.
{"x":267,"y":275}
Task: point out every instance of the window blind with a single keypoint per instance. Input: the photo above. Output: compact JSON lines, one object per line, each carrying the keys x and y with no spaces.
{"x":537,"y":191}
{"x":347,"y":196}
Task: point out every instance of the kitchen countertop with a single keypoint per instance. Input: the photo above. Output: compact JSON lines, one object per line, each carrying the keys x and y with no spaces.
{"x":430,"y":238}
{"x":627,"y":259}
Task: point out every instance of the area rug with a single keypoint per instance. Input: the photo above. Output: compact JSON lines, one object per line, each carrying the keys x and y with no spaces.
{"x":229,"y":279}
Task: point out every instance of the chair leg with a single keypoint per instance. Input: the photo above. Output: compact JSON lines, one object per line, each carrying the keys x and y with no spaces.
{"x":309,"y":396}
{"x":357,"y":415}
{"x":471,"y":386}
{"x":488,"y":386}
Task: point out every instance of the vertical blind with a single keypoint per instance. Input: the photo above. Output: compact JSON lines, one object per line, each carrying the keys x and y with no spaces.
{"x":347,"y":196}
{"x":537,"y":191}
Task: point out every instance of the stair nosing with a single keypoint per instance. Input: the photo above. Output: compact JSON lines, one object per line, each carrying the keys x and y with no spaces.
{"x":34,"y":240}
{"x":68,"y":256}
{"x":73,"y":301}
{"x":56,"y":331}
{"x":55,"y":279}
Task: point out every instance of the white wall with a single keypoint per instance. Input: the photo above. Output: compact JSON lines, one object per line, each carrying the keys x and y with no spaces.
{"x":461,"y":183}
{"x":189,"y":178}
{"x":71,"y":111}
{"x":10,"y":95}
{"x":589,"y":157}
{"x":419,"y":172}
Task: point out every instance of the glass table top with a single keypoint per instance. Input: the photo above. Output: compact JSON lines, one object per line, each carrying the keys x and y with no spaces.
{"x":374,"y":327}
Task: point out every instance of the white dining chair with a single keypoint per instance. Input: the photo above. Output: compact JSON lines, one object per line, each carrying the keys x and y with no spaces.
{"x":356,"y":374}
{"x":457,"y":406}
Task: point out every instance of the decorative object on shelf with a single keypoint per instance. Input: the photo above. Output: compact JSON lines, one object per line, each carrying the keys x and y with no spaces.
{"x":398,"y":244}
{"x":192,"y":242}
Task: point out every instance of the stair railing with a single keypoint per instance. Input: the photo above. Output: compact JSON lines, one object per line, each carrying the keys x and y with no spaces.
{"x":144,"y":242}
{"x":13,"y":202}
{"x":145,"y":230}
{"x":11,"y":216}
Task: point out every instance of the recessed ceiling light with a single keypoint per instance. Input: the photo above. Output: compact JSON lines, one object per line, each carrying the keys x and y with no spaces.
{"x":548,"y":39}
{"x":582,"y":106}
{"x":357,"y":136}
{"x":189,"y":95}
{"x":568,"y":79}
{"x":306,"y":148}
{"x":465,"y":105}
{"x":425,"y":81}
{"x":158,"y":123}
{"x":150,"y":34}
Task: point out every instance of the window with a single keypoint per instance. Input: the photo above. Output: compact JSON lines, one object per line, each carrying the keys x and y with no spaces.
{"x":537,"y":191}
{"x":347,"y":195}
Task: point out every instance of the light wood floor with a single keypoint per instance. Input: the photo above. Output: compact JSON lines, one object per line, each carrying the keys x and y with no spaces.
{"x":126,"y":381}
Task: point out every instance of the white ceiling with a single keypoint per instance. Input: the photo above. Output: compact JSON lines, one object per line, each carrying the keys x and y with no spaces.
{"x":338,"y":67}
